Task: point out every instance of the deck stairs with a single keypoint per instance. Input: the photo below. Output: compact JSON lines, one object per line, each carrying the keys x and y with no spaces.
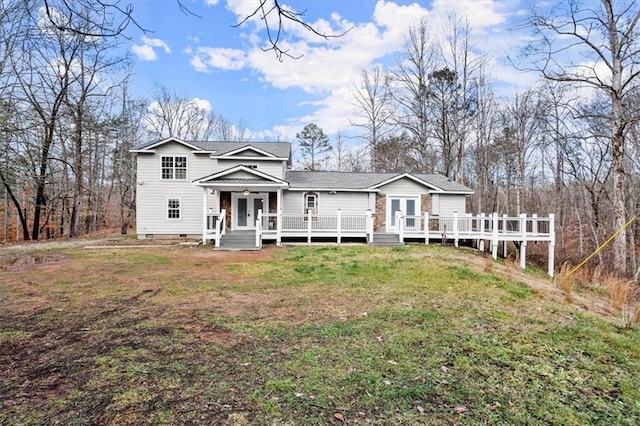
{"x":386,"y":239}
{"x":238,"y":240}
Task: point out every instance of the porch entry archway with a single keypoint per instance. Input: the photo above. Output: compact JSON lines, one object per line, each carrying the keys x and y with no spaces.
{"x":245,"y":208}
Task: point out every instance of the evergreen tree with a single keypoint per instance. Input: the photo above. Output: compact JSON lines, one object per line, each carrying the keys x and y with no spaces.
{"x":313,"y":142}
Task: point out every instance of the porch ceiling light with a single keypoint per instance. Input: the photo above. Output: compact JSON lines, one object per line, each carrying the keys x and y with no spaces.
{"x":246,"y":192}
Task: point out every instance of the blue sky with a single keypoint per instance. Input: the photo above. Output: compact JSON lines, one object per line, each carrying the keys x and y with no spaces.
{"x":207,"y":58}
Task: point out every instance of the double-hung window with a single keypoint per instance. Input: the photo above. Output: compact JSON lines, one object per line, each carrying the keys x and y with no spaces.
{"x":174,"y":168}
{"x":173,"y":208}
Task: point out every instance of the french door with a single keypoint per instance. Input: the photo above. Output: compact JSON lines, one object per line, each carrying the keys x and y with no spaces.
{"x":245,"y":208}
{"x":407,"y":206}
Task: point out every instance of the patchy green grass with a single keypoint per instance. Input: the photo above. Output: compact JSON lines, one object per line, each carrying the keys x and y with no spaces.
{"x":303,"y":335}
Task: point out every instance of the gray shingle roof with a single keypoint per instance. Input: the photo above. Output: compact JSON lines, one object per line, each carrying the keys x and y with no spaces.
{"x":346,"y":180}
{"x":278,"y":149}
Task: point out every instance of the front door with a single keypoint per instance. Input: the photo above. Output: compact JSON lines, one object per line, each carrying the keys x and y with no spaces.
{"x":245,"y":208}
{"x":407,"y":206}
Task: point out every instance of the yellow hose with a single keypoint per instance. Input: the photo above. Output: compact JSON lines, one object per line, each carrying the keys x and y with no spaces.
{"x":571,"y":272}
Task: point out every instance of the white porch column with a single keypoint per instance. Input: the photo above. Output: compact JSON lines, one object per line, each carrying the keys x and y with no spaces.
{"x":369,"y":226}
{"x":279,"y":217}
{"x":523,"y":243}
{"x":309,"y":225}
{"x":204,"y":214}
{"x":552,"y":244}
{"x":494,"y":237}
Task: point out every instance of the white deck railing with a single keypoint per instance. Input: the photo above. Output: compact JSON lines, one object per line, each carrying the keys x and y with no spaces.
{"x":492,"y":229}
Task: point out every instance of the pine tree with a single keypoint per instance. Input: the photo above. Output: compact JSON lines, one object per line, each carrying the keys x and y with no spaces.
{"x":313,"y":142}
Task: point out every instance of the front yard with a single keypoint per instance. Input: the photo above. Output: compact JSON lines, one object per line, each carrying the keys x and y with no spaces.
{"x":303,"y":335}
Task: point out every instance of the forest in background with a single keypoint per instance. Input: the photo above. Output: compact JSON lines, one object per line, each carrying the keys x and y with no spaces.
{"x":568,"y":145}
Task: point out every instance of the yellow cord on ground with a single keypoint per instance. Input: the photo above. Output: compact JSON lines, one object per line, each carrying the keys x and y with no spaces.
{"x":571,"y":272}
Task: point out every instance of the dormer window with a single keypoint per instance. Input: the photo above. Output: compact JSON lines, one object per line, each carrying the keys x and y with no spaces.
{"x":174,"y":168}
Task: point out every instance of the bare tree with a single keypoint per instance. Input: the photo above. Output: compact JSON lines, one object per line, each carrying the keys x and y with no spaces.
{"x":596,"y":47}
{"x":375,"y":110}
{"x":410,"y":82}
{"x":521,"y":120}
{"x":174,"y":115}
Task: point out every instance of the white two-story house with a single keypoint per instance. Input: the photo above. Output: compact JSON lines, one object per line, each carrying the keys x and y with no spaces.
{"x":210,"y":190}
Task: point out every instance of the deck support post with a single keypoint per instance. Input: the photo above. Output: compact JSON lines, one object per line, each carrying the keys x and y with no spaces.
{"x":504,"y":229}
{"x":369,"y":226}
{"x":523,"y":243}
{"x":399,"y":227}
{"x":552,"y":244}
{"x":481,"y":240}
{"x":456,"y":231}
{"x":426,"y":228}
{"x":494,"y":237}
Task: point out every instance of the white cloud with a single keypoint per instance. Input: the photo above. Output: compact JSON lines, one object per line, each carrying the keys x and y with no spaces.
{"x":330,"y":68}
{"x":146,"y":50}
{"x":210,"y":2}
{"x":218,"y":57}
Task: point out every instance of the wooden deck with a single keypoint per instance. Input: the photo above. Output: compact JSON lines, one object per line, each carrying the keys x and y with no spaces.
{"x":489,"y":231}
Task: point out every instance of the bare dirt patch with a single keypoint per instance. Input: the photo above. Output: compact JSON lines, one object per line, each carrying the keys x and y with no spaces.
{"x":27,"y":261}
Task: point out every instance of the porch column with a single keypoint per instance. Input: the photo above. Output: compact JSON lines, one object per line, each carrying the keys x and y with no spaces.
{"x":279,"y":217}
{"x":204,"y":215}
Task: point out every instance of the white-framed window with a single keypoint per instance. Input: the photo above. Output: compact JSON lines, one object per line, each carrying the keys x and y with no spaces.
{"x":173,"y":208}
{"x":174,"y":168}
{"x":311,"y":203}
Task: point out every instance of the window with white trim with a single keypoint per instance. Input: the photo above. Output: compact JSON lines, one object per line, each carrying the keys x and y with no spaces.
{"x":311,"y":203}
{"x":174,"y":168}
{"x":173,"y":208}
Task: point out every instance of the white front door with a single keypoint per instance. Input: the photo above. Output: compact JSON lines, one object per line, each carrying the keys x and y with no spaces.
{"x":245,"y":209}
{"x":407,"y":206}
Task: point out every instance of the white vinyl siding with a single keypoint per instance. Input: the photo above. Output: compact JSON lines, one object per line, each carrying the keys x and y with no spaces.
{"x":447,"y":204}
{"x":272,"y":168}
{"x":346,"y":202}
{"x":404,"y":186}
{"x":153,"y":193}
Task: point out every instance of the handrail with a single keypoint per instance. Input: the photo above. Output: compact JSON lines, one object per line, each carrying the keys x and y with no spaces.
{"x":259,"y":228}
{"x":221,"y":227}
